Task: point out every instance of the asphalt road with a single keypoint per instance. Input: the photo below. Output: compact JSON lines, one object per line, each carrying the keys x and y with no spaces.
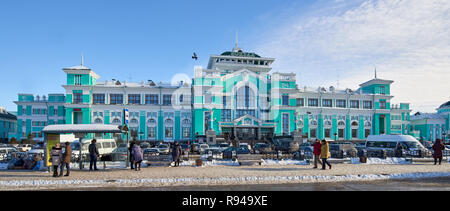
{"x":428,"y":184}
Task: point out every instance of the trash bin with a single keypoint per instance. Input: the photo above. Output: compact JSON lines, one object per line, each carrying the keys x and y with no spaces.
{"x":198,"y":162}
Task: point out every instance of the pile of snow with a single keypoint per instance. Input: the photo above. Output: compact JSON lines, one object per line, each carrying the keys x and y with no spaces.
{"x":3,"y":166}
{"x":211,"y":163}
{"x":270,"y":162}
{"x":109,"y":165}
{"x":381,"y":161}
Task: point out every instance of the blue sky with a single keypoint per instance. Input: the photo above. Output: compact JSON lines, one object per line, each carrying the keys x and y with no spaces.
{"x":142,"y":40}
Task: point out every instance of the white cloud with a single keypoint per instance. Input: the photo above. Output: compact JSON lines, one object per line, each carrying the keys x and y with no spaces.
{"x":407,"y":40}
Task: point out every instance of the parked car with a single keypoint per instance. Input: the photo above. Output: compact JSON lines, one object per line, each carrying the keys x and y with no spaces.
{"x":285,"y":144}
{"x":246,"y":145}
{"x":223,"y":146}
{"x":185,"y":148}
{"x":202,"y":148}
{"x":389,"y":143}
{"x":343,"y":150}
{"x":144,"y":145}
{"x":119,"y":154}
{"x":262,"y":148}
{"x":227,"y":153}
{"x":306,"y":147}
{"x":24,"y":147}
{"x":104,"y":146}
{"x":195,"y":148}
{"x":163,"y":149}
{"x":150,"y":152}
{"x":215,"y":151}
{"x":7,"y":151}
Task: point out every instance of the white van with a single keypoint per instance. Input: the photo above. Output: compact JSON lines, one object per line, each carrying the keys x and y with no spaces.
{"x":104,"y":146}
{"x":389,"y":142}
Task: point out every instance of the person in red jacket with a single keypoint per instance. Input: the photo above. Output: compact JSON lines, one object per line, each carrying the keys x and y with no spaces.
{"x":317,"y":147}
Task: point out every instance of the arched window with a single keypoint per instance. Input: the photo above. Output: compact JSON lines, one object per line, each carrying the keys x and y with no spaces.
{"x":327,"y":123}
{"x":98,"y":121}
{"x":245,"y":97}
{"x":367,"y":124}
{"x":313,"y":123}
{"x":354,"y":124}
{"x":341,"y":123}
{"x":186,"y":122}
{"x":134,"y":121}
{"x":300,"y":124}
{"x":168,"y":121}
{"x":116,"y":121}
{"x":151,"y":122}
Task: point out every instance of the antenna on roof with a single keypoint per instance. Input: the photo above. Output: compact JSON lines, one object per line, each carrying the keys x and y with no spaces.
{"x":375,"y":72}
{"x":82,"y":59}
{"x":237,"y":39}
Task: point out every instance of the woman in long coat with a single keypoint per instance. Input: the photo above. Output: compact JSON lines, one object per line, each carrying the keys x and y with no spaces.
{"x":56,"y":154}
{"x":138,"y":156}
{"x":438,"y":148}
{"x":176,"y":153}
{"x":325,"y":154}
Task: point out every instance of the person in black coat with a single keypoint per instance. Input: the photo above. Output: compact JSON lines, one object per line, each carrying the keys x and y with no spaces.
{"x":131,"y":155}
{"x":399,"y":150}
{"x":94,"y":154}
{"x":176,"y":153}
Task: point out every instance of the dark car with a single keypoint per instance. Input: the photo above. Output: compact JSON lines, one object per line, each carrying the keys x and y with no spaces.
{"x":149,"y":152}
{"x":228,"y":152}
{"x":285,"y":144}
{"x":262,"y":148}
{"x":185,"y":148}
{"x":343,"y":150}
{"x":195,"y":148}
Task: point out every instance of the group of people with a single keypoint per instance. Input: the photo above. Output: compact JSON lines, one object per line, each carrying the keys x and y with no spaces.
{"x":136,"y":156}
{"x":60,"y":159}
{"x":321,"y":150}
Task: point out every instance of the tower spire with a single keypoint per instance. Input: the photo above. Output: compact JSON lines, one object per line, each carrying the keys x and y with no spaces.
{"x":236,"y":44}
{"x":237,"y":39}
{"x":375,"y":72}
{"x":82,"y":59}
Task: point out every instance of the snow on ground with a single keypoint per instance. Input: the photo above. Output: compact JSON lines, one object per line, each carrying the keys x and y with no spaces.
{"x":211,"y":163}
{"x":382,"y":161}
{"x":271,"y":162}
{"x":226,"y":180}
{"x":3,"y":166}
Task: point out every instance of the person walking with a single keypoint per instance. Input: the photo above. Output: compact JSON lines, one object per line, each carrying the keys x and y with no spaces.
{"x":56,"y":154}
{"x":325,"y":154}
{"x":132,"y":162}
{"x":176,"y":153}
{"x":317,"y":152}
{"x":137,"y":156}
{"x":438,"y":148}
{"x":67,"y":155}
{"x":93,"y":153}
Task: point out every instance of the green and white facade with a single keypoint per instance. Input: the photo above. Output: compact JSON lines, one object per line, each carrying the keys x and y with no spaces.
{"x":432,"y":126}
{"x":36,"y":112}
{"x":237,"y":93}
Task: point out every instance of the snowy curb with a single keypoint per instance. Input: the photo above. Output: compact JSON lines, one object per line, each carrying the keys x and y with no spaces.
{"x":226,"y":180}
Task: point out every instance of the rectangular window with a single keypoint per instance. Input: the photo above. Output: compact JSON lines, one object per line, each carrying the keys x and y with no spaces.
{"x":116,"y":99}
{"x":285,"y":100}
{"x":327,"y":132}
{"x":169,"y":132}
{"x":313,"y":133}
{"x":134,"y":99}
{"x":226,"y":115}
{"x":151,"y":99}
{"x":77,"y":79}
{"x":224,"y":100}
{"x":382,"y":104}
{"x":286,"y":124}
{"x":98,"y":98}
{"x":382,"y":90}
{"x":167,"y":99}
{"x":300,"y":102}
{"x":186,"y":132}
{"x":313,"y":102}
{"x":151,"y":132}
{"x":341,"y":103}
{"x":367,"y":104}
{"x":354,"y":133}
{"x":77,"y":98}
{"x":327,"y":103}
{"x":341,"y":133}
{"x":354,"y":103}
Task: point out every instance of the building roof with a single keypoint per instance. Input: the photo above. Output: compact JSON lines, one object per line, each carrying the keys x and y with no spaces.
{"x":240,"y":54}
{"x":447,"y":104}
{"x":7,"y":115}
{"x":376,"y":81}
{"x":81,"y":128}
{"x":419,"y":116}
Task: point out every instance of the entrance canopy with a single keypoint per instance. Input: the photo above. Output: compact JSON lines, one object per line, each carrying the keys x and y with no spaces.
{"x":81,"y":128}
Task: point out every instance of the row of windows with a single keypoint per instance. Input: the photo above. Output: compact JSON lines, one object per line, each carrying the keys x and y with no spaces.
{"x":339,"y":134}
{"x":134,"y":99}
{"x":328,"y":103}
{"x":168,"y":132}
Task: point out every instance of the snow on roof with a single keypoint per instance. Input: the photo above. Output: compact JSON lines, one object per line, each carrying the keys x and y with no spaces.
{"x":82,"y":128}
{"x":426,"y":116}
{"x":391,"y":138}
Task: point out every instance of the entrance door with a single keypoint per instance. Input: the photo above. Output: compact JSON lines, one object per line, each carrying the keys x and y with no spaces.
{"x":382,"y":124}
{"x":77,"y":118}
